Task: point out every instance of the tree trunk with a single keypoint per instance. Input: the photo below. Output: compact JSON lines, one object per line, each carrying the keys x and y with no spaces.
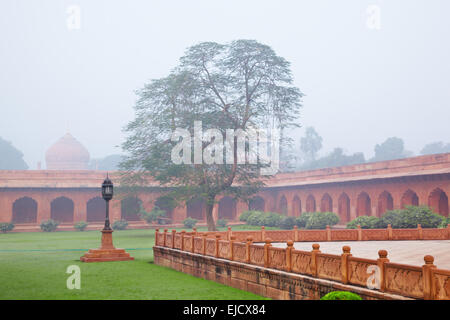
{"x":209,"y":215}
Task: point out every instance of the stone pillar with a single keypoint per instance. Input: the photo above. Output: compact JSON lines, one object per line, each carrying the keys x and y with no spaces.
{"x":43,"y":208}
{"x":179,"y":214}
{"x":79,"y":209}
{"x":115,"y":213}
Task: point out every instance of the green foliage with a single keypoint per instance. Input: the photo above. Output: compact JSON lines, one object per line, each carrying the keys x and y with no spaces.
{"x":268,"y":219}
{"x":80,"y":225}
{"x":120,"y":225}
{"x":406,"y":218}
{"x":320,"y":220}
{"x":189,"y":222}
{"x":49,"y":225}
{"x":445,"y":222}
{"x":11,"y":158}
{"x":303,"y":219}
{"x":341,"y":295}
{"x":6,"y":226}
{"x":366,"y":222}
{"x":287,"y":223}
{"x":411,"y":216}
{"x":153,"y":215}
{"x":212,"y":84}
{"x":222,"y":222}
{"x":245,"y":215}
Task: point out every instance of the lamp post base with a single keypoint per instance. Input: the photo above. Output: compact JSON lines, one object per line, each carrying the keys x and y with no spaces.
{"x":107,"y":252}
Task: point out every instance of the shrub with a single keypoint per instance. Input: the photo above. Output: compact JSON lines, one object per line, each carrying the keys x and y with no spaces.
{"x":320,"y":220}
{"x":444,"y":223}
{"x":366,"y":223}
{"x":271,"y":219}
{"x":287,"y":223}
{"x":256,"y":218}
{"x":245,"y":215}
{"x":411,"y":216}
{"x":341,"y":295}
{"x":120,"y":225}
{"x":80,"y":225}
{"x":303,"y":219}
{"x":189,"y":222}
{"x":49,"y":225}
{"x":222,"y":222}
{"x":6,"y":226}
{"x":153,"y":216}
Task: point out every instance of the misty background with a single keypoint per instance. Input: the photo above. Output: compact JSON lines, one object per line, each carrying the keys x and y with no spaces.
{"x":361,"y":85}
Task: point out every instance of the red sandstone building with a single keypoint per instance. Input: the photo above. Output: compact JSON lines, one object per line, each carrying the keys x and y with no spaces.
{"x":67,"y":192}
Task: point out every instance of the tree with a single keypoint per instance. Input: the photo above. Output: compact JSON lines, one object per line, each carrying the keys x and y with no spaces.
{"x":310,"y":144}
{"x":435,"y":147}
{"x":392,"y":148}
{"x":241,"y":85}
{"x":11,"y":158}
{"x":336,"y":158}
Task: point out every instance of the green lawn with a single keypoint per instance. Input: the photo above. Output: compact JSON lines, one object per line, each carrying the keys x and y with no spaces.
{"x":33,"y":266}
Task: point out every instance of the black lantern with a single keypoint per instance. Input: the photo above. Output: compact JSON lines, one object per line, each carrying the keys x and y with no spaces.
{"x":107,"y":194}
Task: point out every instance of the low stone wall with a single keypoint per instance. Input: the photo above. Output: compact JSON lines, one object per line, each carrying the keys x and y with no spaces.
{"x":266,"y":282}
{"x":421,"y":282}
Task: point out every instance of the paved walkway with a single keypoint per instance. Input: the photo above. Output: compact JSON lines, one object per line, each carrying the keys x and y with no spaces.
{"x":406,"y":252}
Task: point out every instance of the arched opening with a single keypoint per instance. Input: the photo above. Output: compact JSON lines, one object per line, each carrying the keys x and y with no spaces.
{"x":310,"y":204}
{"x":282,"y":207}
{"x":196,"y":209}
{"x":385,"y":203}
{"x":129,"y":209}
{"x":61,"y":210}
{"x":227,"y":208}
{"x":96,"y":210}
{"x":409,"y":198}
{"x":326,"y":204}
{"x":24,"y":210}
{"x":166,"y":203}
{"x":363,"y":206}
{"x":344,"y":207}
{"x":256,"y":204}
{"x":438,"y":202}
{"x":296,"y":207}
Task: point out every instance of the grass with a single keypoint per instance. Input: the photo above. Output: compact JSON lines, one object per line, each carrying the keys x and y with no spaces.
{"x":33,"y":266}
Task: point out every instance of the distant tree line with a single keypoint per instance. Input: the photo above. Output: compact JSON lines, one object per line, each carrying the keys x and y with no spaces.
{"x":307,"y":157}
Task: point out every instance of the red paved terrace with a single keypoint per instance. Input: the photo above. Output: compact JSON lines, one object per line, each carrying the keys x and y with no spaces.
{"x":29,"y":197}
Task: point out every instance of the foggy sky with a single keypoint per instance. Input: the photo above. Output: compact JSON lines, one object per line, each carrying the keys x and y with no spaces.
{"x":362,"y":85}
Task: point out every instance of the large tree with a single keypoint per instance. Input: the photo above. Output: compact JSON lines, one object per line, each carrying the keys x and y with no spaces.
{"x":10,"y":157}
{"x":436,"y":147}
{"x":241,"y":85}
{"x":392,"y":148}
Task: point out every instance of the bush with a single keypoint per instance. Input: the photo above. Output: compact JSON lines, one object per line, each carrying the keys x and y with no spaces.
{"x":341,"y":295}
{"x":6,"y":226}
{"x":189,"y":222}
{"x":245,"y":215}
{"x":444,"y":223}
{"x":320,"y":220}
{"x":271,"y":219}
{"x":120,"y":225}
{"x":287,"y":223}
{"x":303,"y":219}
{"x":366,"y":223}
{"x":411,"y":216}
{"x":49,"y":225}
{"x":153,"y":216}
{"x":256,"y":218}
{"x":81,"y":225}
{"x":222,"y":222}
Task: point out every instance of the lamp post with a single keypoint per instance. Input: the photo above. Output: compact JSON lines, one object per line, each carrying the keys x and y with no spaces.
{"x":107,"y":194}
{"x":107,"y":251}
